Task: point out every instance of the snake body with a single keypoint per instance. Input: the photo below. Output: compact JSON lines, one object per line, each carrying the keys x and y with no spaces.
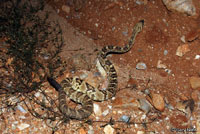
{"x":81,"y":92}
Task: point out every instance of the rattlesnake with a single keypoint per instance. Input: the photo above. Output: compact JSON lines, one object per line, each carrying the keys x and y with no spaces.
{"x":83,"y":93}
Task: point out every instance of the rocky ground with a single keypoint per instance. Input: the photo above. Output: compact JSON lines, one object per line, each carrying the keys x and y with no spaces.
{"x":159,"y":78}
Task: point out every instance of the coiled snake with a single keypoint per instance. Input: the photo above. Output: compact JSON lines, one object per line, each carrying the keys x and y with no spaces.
{"x":81,"y":92}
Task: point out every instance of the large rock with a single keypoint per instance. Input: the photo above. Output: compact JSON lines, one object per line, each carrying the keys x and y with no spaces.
{"x":182,"y":6}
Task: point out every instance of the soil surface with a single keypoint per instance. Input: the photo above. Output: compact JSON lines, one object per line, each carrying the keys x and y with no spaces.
{"x":93,"y":24}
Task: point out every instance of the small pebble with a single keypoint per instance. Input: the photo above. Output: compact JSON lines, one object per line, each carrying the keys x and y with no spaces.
{"x":13,"y":127}
{"x":113,"y":28}
{"x":168,"y":71}
{"x":89,"y":32}
{"x":105,"y":112}
{"x":9,"y":84}
{"x":22,"y":117}
{"x":66,"y":8}
{"x":158,"y":102}
{"x":183,"y":39}
{"x":96,"y":24}
{"x":23,"y":126}
{"x":91,"y":130}
{"x":109,"y":106}
{"x":114,"y":112}
{"x":108,"y":129}
{"x":20,"y":108}
{"x":141,"y":66}
{"x":113,"y":19}
{"x":83,"y":76}
{"x":165,"y":52}
{"x":164,"y":20}
{"x":125,"y":32}
{"x":100,"y":36}
{"x":37,"y":94}
{"x":144,"y":116}
{"x":182,"y":50}
{"x":15,"y":122}
{"x":195,"y":82}
{"x":125,"y":118}
{"x":169,"y":106}
{"x":197,"y":57}
{"x":119,"y":112}
{"x":144,"y":105}
{"x":146,"y":91}
{"x":139,"y":2}
{"x":160,"y":65}
{"x":97,"y":110}
{"x":140,"y":132}
{"x":46,"y":57}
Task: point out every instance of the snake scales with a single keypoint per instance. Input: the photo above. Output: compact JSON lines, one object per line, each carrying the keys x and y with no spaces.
{"x":81,"y":92}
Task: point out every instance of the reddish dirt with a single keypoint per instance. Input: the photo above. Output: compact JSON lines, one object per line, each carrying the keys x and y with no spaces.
{"x":111,"y":22}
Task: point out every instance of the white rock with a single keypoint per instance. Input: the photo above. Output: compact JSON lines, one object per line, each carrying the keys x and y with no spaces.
{"x":168,"y":70}
{"x":105,"y":112}
{"x":108,"y":130}
{"x":97,"y":109}
{"x":20,"y":108}
{"x":119,"y":112}
{"x":37,"y":94}
{"x":143,"y":117}
{"x":165,"y":52}
{"x":109,"y":106}
{"x":183,"y":6}
{"x":144,"y":105}
{"x":183,"y":39}
{"x":160,"y":65}
{"x":83,"y":76}
{"x":125,"y":118}
{"x":140,"y":132}
{"x":96,"y":24}
{"x":91,"y":130}
{"x":23,"y":126}
{"x":197,"y":57}
{"x":138,"y":2}
{"x":22,"y":117}
{"x":141,"y":66}
{"x":13,"y":127}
